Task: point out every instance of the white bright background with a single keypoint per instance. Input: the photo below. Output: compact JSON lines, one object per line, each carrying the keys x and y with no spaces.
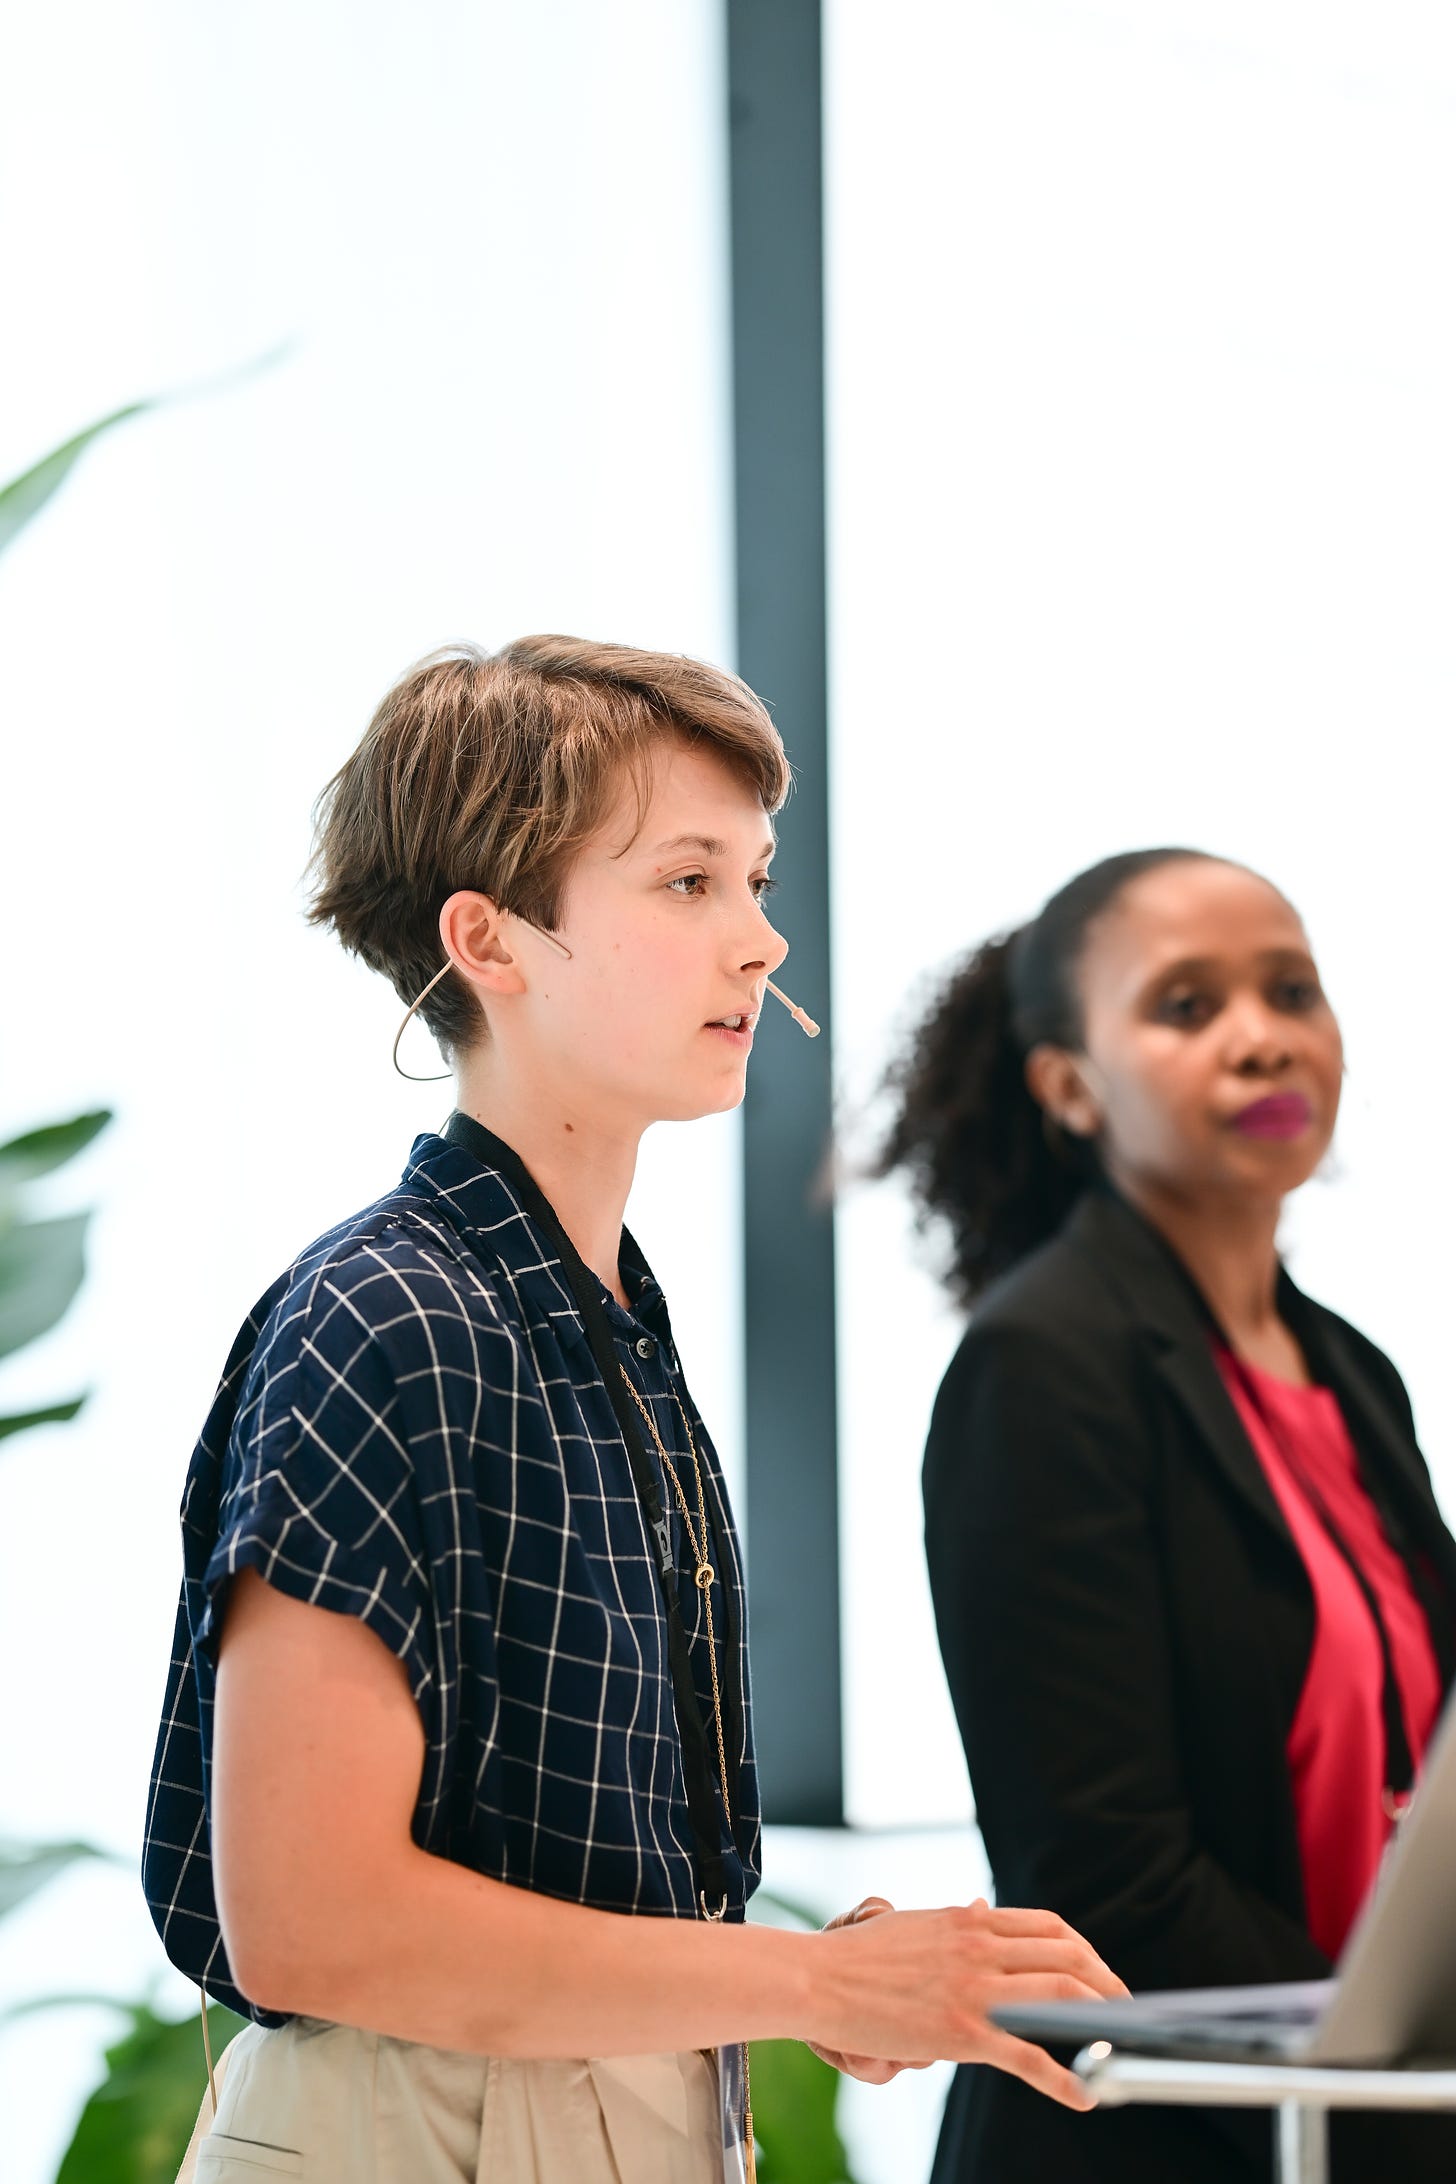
{"x":1142,"y":464}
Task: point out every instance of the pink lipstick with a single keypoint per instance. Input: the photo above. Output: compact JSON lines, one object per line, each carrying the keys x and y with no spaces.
{"x":1281,"y":1115}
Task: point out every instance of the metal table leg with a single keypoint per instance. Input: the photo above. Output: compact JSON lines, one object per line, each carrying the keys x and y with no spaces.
{"x":1301,"y":2143}
{"x":1301,"y":2095}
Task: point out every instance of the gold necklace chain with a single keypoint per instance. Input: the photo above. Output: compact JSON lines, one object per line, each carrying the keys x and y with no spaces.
{"x":704,"y":1576}
{"x":703,"y":1571}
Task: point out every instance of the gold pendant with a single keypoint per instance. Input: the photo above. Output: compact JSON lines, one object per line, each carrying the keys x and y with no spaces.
{"x":704,"y":1575}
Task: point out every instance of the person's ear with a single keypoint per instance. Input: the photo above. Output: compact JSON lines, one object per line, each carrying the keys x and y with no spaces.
{"x":1061,"y":1084}
{"x":476,"y":938}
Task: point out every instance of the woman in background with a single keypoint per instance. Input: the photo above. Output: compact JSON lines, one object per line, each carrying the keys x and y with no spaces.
{"x":1193,"y":1592}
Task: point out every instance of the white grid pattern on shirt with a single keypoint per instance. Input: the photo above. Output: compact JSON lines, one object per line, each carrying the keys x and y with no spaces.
{"x":411,"y":1429}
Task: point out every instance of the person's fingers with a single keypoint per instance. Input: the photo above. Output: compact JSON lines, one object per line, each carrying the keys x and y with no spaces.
{"x":1015,"y":1923}
{"x":839,"y":2059}
{"x":1018,"y":1954}
{"x":869,"y":2069}
{"x":868,"y":1908}
{"x":874,"y":2069}
{"x":831,"y":2056}
{"x":1041,"y":1986}
{"x":1022,"y":1919}
{"x":1021,"y":2059}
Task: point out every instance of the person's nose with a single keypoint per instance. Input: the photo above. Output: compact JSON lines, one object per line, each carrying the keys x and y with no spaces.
{"x":764,"y":947}
{"x":1259,"y":1039}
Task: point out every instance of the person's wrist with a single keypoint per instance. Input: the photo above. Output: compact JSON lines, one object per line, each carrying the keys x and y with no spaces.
{"x":825,"y":1989}
{"x":786,"y":2000}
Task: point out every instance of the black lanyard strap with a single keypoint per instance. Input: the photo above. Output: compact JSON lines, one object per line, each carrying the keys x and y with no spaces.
{"x":493,"y":1152}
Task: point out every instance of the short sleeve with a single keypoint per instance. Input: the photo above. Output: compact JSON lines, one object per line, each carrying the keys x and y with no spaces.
{"x":320,"y":1491}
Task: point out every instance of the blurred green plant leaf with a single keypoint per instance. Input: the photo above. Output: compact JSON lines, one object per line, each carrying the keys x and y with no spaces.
{"x":27,"y":1867}
{"x":794,"y":2097}
{"x":39,"y":1152}
{"x":783,"y":1911}
{"x":54,"y":1414}
{"x":135,"y":2126}
{"x":41,"y":1262}
{"x":42,"y":1265}
{"x":26,"y":495}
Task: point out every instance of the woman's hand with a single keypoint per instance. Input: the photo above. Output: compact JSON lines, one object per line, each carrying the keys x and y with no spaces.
{"x":862,"y":2066}
{"x":918,"y":1985}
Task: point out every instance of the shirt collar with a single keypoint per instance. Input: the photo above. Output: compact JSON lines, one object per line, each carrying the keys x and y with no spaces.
{"x":479,"y":1200}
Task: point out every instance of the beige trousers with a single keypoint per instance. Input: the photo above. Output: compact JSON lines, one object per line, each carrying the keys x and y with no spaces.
{"x":333,"y":2105}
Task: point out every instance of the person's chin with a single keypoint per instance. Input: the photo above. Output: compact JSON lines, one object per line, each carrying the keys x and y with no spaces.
{"x":730,"y":1097}
{"x":697,"y":1103}
{"x":1279,"y":1164}
{"x":717,"y":1099}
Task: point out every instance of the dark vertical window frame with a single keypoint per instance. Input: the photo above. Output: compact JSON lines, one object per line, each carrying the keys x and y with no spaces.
{"x":777,"y":276}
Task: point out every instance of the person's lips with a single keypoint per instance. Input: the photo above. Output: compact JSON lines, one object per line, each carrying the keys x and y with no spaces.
{"x":1281,"y":1115}
{"x":737,"y":1030}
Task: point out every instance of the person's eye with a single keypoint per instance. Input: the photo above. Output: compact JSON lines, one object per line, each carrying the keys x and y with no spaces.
{"x":1185,"y":1010}
{"x":1298,"y":995}
{"x":764,"y":887}
{"x":689,"y":884}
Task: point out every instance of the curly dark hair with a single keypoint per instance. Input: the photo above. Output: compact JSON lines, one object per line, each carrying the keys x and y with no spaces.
{"x":983,"y":1159}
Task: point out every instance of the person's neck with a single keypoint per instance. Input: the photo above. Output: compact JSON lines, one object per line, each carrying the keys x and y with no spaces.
{"x":584,"y":1169}
{"x":1230,"y":1247}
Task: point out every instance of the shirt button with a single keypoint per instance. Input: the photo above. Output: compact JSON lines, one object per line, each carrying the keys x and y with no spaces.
{"x":645,"y":1346}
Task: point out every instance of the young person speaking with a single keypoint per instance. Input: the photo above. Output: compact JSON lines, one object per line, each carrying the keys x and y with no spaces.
{"x":1195,"y":1599}
{"x":454,"y":1792}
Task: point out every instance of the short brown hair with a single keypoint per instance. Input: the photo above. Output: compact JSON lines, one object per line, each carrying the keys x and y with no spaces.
{"x":492,"y":771}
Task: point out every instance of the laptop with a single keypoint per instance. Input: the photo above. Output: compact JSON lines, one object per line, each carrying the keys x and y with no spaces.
{"x":1392,"y":1998}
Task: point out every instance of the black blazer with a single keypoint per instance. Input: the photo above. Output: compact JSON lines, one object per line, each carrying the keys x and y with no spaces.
{"x":1125,"y":1623}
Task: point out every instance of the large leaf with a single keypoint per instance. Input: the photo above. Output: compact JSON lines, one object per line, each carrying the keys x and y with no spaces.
{"x":26,"y":495}
{"x":793,"y":2116}
{"x":26,"y":1867}
{"x":135,"y":2127}
{"x":42,"y":1264}
{"x":53,"y":1414}
{"x":38,"y":1152}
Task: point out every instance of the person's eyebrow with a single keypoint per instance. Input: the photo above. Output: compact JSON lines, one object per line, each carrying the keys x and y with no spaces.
{"x":1183,"y":967}
{"x":707,"y":845}
{"x":1193,"y":966}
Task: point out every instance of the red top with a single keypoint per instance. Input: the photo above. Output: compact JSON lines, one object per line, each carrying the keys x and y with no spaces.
{"x":1336,"y":1747}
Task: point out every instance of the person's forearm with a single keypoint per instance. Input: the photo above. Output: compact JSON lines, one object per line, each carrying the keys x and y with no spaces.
{"x":434,"y":1953}
{"x":430,"y":1952}
{"x":328,"y":1908}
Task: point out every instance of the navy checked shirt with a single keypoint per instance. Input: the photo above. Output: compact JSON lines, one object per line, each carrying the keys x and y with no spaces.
{"x":411,"y":1429}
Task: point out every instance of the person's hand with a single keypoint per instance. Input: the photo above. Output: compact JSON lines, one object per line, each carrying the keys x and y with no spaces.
{"x":867,"y":2067}
{"x":898,"y":1989}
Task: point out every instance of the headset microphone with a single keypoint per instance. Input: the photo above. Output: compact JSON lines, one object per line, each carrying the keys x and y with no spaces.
{"x":801,"y":1017}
